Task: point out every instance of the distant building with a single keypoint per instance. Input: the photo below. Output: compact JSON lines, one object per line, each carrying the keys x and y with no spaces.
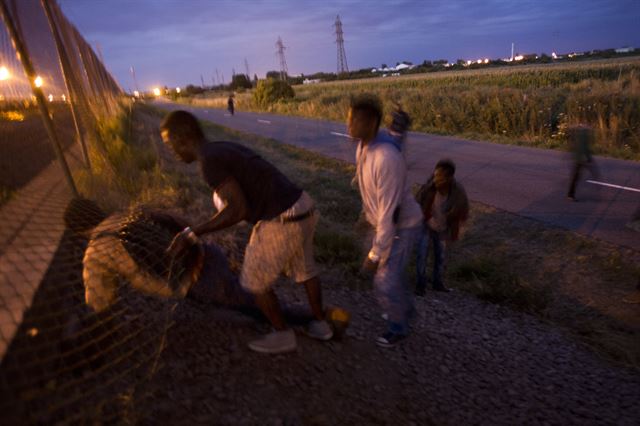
{"x":625,"y":49}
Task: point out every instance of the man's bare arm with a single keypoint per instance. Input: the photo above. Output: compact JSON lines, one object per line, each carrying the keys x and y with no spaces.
{"x":235,"y":208}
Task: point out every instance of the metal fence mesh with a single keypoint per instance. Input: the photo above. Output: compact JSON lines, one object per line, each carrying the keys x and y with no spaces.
{"x":70,"y":351}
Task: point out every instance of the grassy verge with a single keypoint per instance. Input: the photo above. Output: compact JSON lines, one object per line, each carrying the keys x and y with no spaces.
{"x":526,"y":106}
{"x":126,"y":166}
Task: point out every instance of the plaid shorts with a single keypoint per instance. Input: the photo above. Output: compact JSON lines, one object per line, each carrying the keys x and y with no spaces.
{"x":277,"y":247}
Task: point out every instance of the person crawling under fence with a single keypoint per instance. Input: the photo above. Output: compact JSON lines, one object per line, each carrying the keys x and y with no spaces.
{"x":131,"y":245}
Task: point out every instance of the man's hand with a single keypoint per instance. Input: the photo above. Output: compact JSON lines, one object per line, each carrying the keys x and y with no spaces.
{"x":368,"y":268}
{"x":181,"y":242}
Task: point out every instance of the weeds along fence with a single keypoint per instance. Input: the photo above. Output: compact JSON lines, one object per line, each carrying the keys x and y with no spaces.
{"x":75,"y":343}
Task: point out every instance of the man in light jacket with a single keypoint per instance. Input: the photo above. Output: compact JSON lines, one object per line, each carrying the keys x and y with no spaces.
{"x":392,"y":211}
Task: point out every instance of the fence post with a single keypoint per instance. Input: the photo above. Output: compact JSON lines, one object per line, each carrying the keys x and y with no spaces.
{"x":37,"y":92}
{"x":66,"y":73}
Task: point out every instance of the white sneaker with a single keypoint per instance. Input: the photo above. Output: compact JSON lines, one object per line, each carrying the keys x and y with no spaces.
{"x":276,"y":342}
{"x":320,"y":330}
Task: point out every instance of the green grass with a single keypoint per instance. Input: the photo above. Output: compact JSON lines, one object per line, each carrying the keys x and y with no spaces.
{"x":494,"y":281}
{"x":125,"y":169}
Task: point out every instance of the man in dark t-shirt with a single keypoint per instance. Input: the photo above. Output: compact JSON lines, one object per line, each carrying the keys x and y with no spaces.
{"x":247,"y":187}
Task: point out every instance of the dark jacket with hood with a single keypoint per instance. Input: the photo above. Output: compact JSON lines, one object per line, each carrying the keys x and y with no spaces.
{"x":456,"y":207}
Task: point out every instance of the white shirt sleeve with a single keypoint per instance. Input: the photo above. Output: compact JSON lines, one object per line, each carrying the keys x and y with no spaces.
{"x":389,"y":178}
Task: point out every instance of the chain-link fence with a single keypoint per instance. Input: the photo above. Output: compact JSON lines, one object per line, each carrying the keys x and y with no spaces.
{"x":77,"y":333}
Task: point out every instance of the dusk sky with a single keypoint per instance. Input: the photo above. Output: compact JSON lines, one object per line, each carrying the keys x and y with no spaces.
{"x":173,"y":43}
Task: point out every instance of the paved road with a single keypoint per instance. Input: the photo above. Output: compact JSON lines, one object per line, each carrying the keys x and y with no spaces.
{"x":527,"y":181}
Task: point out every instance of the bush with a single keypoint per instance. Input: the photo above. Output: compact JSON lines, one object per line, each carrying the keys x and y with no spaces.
{"x":240,"y":81}
{"x":270,"y":91}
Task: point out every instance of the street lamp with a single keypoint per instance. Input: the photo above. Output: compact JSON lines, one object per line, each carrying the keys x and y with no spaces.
{"x":156,"y":91}
{"x":177,"y":90}
{"x":4,"y":73}
{"x":38,"y":81}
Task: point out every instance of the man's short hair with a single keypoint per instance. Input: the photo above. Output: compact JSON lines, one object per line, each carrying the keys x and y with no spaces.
{"x":368,"y":106}
{"x":447,"y":165}
{"x":182,"y":125}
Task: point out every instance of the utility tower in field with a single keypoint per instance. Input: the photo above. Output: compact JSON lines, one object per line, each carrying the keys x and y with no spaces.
{"x":342,"y":56}
{"x":283,"y":61}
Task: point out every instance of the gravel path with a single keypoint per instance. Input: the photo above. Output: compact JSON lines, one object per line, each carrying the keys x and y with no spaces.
{"x":467,"y":362}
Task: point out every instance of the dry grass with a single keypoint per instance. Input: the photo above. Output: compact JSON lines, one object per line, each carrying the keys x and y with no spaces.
{"x":527,"y":105}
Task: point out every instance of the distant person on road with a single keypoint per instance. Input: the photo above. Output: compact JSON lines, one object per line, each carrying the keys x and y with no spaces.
{"x":445,"y":207}
{"x":390,"y":209}
{"x":230,"y":105}
{"x":580,"y":138}
{"x":400,"y":123}
{"x":248,"y":188}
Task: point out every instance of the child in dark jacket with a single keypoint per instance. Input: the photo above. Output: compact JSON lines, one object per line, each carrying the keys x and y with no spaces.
{"x":445,"y":207}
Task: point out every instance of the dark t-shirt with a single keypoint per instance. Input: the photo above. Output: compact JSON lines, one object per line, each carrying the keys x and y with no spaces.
{"x":268,"y":192}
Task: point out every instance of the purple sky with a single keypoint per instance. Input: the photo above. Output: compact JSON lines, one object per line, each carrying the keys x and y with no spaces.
{"x":174,"y":42}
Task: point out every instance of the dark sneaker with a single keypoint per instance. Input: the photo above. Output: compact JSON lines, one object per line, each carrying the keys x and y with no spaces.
{"x":389,"y":339}
{"x":276,"y":342}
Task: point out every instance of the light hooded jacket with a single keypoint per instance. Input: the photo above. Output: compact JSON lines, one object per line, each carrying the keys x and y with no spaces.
{"x":386,"y":195}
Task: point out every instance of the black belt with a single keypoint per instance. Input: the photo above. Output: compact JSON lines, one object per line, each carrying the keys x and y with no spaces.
{"x":298,"y":218}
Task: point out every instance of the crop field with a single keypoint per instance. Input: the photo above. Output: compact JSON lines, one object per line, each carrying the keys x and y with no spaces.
{"x":527,"y":105}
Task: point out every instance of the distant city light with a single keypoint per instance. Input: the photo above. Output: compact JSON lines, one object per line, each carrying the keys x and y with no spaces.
{"x":4,"y":73}
{"x":486,"y":60}
{"x":136,"y":93}
{"x":177,"y":90}
{"x":38,"y":81}
{"x":469,"y":62}
{"x":156,"y":91}
{"x":519,"y":58}
{"x":64,"y":98}
{"x":50,"y":97}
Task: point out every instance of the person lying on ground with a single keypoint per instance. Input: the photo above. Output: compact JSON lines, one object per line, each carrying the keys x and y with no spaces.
{"x":130,"y":247}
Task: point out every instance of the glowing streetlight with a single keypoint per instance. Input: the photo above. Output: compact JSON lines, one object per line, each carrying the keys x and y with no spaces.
{"x":136,"y":93}
{"x":156,"y":91}
{"x":4,"y":74}
{"x":50,"y":97}
{"x":177,"y":90}
{"x":38,"y":81}
{"x":64,"y":98}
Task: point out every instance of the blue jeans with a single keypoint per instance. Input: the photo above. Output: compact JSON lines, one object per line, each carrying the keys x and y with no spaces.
{"x":430,"y":236}
{"x":390,"y":282}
